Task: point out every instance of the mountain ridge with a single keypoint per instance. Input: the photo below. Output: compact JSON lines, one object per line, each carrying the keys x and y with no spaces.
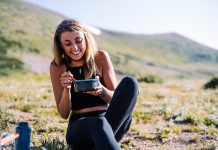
{"x":33,"y":29}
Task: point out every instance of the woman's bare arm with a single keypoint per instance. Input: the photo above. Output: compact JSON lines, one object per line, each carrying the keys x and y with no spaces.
{"x":108,"y":74}
{"x":61,"y":94}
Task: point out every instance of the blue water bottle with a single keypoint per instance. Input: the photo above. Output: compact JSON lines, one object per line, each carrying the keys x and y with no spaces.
{"x":23,"y":141}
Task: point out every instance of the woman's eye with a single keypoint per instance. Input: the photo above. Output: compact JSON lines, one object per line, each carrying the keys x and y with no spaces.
{"x":67,"y":44}
{"x":78,"y":41}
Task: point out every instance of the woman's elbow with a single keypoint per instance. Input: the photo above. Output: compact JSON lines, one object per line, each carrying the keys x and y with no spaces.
{"x":64,"y":115}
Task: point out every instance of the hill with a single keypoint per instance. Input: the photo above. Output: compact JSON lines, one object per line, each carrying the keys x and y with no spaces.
{"x":24,"y":29}
{"x":169,"y":53}
{"x":26,"y":33}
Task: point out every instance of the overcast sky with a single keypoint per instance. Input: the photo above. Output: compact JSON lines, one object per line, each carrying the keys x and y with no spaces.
{"x":195,"y":19}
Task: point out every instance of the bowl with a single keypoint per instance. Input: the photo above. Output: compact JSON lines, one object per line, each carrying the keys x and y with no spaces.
{"x":85,"y":85}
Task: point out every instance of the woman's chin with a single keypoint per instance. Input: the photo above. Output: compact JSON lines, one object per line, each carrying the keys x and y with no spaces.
{"x":77,"y":58}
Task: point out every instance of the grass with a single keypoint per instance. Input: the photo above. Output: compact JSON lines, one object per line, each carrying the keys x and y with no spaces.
{"x":170,"y":114}
{"x":175,"y":114}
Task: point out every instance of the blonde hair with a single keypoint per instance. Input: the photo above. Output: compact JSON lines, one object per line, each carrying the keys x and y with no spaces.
{"x":60,"y":58}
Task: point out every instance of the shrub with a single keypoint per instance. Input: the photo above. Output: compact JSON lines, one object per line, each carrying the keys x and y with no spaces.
{"x":150,"y":79}
{"x":54,"y":144}
{"x":211,"y":120}
{"x":212,"y":83}
{"x":9,"y":64}
{"x":1,"y":113}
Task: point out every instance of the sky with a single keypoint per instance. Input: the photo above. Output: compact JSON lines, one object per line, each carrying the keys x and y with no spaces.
{"x":194,"y":19}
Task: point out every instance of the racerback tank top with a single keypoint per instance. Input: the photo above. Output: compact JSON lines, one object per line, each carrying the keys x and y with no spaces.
{"x":81,"y":100}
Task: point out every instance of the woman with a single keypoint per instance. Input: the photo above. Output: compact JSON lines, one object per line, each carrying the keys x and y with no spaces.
{"x":98,"y":119}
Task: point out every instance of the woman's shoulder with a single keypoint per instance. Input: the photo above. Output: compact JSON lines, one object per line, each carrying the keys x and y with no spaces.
{"x":102,"y":55}
{"x":54,"y":68}
{"x":102,"y":60}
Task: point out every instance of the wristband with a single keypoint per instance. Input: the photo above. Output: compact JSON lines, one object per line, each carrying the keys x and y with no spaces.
{"x":103,"y":93}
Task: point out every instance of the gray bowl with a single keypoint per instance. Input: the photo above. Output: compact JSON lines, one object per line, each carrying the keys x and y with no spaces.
{"x":85,"y":85}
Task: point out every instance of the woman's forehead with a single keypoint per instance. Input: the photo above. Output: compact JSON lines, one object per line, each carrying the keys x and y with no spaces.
{"x":71,"y":35}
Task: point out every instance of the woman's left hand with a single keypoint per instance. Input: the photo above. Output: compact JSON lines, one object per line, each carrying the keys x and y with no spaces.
{"x":98,"y":90}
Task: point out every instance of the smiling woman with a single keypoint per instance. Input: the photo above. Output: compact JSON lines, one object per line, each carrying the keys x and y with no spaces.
{"x":74,"y":45}
{"x":100,"y":117}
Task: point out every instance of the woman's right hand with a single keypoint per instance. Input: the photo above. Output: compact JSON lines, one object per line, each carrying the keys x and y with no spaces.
{"x":66,"y":79}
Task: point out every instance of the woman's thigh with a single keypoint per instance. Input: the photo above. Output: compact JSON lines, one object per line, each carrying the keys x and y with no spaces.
{"x":79,"y":132}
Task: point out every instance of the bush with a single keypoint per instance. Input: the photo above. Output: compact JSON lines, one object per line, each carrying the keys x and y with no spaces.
{"x":150,"y":79}
{"x":212,"y":83}
{"x":54,"y":144}
{"x":9,"y":64}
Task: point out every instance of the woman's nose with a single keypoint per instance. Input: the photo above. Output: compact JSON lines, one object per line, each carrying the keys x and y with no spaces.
{"x":74,"y":47}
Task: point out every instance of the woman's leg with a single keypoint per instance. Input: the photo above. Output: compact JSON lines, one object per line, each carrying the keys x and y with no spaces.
{"x":123,"y":102}
{"x":124,"y":128}
{"x":103,"y":136}
{"x":91,"y":132}
{"x":78,"y":134}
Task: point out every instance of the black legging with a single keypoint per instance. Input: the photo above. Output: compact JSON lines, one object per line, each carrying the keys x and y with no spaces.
{"x":103,"y":130}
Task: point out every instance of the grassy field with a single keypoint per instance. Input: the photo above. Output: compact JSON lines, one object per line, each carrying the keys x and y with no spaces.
{"x":176,"y":114}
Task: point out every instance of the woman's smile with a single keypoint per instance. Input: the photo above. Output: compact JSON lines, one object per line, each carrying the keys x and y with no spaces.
{"x":74,"y":44}
{"x":75,"y":52}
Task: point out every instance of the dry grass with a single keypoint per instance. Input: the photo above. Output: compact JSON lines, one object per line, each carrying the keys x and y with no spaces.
{"x":177,"y":114}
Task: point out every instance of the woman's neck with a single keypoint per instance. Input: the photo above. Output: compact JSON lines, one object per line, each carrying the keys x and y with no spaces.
{"x":77,"y":63}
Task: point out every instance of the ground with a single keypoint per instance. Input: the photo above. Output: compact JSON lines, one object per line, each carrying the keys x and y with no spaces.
{"x":177,"y":114}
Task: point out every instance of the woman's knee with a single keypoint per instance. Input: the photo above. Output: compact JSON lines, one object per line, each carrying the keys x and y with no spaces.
{"x":128,"y":85}
{"x":131,"y":83}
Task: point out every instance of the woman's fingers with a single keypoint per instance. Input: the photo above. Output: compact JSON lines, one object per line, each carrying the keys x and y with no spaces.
{"x":67,"y":74}
{"x":66,"y":79}
{"x":96,"y":92}
{"x":71,"y":75}
{"x":64,"y":74}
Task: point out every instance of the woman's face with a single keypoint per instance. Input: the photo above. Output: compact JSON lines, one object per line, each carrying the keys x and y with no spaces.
{"x":74,"y":45}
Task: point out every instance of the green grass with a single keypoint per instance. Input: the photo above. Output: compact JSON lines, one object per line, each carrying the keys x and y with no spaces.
{"x":173,"y":111}
{"x":32,"y":33}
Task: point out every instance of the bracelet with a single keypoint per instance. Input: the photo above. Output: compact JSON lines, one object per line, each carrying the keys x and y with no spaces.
{"x":103,"y":93}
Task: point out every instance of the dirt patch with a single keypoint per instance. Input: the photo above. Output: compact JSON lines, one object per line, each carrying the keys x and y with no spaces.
{"x":36,"y":63}
{"x":24,"y":116}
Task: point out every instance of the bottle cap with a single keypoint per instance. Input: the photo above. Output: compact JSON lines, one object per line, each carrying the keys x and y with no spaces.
{"x":23,"y":124}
